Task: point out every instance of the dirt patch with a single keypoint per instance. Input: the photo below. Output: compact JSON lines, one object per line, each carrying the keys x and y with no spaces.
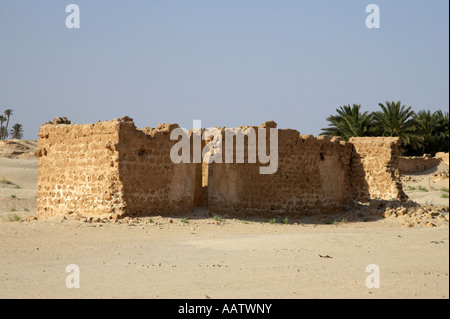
{"x":18,"y":149}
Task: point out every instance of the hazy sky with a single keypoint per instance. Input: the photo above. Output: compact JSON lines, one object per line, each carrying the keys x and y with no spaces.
{"x":225,"y":62}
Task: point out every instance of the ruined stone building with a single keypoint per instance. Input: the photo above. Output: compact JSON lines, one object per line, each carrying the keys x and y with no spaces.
{"x":114,"y":168}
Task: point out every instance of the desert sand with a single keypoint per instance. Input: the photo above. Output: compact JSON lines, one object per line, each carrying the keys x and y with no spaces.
{"x":196,"y":256}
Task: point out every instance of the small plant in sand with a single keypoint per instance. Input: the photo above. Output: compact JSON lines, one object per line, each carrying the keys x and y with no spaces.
{"x":26,"y":209}
{"x":286,"y":221}
{"x":444,"y":189}
{"x":14,"y":218}
{"x":272,"y":221}
{"x":421,"y":188}
{"x":5,"y":182}
{"x":217,"y":218}
{"x":184,"y":220}
{"x":444,"y":196}
{"x":13,"y":209}
{"x":13,"y":196}
{"x":150,"y":220}
{"x":412,"y":188}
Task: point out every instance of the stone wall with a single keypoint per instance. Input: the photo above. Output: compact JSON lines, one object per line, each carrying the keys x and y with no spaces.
{"x":152,"y":183}
{"x":416,"y":164}
{"x":374,"y":170}
{"x":312,"y":177}
{"x":78,"y":169}
{"x":111,"y":168}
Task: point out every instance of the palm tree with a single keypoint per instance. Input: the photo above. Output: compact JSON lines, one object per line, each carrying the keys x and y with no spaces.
{"x":349,"y":122}
{"x":426,"y":124}
{"x":2,"y":119}
{"x":8,"y":114}
{"x":442,"y":124}
{"x":440,"y":134}
{"x":397,"y":120}
{"x":17,"y":131}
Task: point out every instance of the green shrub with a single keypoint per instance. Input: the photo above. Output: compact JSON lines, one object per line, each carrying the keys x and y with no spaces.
{"x":14,"y":218}
{"x":5,"y":181}
{"x":421,"y":188}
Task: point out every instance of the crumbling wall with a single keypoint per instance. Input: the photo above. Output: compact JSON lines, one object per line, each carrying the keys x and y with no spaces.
{"x":312,"y":177}
{"x":152,"y":183}
{"x":416,"y":164}
{"x":78,"y":169}
{"x":374,"y":170}
{"x":110,"y":168}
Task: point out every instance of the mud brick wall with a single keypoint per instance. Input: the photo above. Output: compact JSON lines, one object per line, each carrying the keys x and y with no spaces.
{"x":78,"y":169}
{"x":415,"y":164}
{"x":114,"y":168}
{"x":111,"y":168}
{"x":152,"y":183}
{"x":312,"y":177}
{"x":374,"y":170}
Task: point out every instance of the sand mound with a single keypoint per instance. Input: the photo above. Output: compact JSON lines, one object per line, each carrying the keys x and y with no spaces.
{"x":20,"y":149}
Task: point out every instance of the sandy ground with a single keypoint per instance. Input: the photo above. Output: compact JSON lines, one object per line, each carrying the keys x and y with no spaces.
{"x":425,"y":188}
{"x":232,"y":258}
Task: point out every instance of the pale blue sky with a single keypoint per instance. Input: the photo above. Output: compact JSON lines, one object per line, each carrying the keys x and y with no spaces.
{"x":227,"y":63}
